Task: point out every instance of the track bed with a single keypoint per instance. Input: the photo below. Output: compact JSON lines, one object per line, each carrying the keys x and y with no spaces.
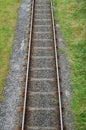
{"x":42,"y":99}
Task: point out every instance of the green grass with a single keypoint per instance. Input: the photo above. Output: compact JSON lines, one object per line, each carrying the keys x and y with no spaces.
{"x":71,"y":15}
{"x":8,"y":9}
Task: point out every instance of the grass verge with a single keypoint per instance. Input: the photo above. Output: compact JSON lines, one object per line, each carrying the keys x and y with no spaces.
{"x":8,"y":9}
{"x":71,"y":15}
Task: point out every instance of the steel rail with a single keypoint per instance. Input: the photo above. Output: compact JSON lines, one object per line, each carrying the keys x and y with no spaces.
{"x":57,"y":70}
{"x":28,"y":65}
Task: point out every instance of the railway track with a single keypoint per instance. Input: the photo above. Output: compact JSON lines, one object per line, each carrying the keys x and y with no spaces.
{"x":42,"y":101}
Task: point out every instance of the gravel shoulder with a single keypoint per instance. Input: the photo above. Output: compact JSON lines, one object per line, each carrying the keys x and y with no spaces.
{"x":64,"y":79}
{"x":9,"y":115}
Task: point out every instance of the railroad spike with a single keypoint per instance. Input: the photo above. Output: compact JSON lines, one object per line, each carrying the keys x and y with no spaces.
{"x":22,"y":93}
{"x":20,"y":109}
{"x":26,"y":40}
{"x":23,"y":79}
{"x":19,"y":128}
{"x":61,"y":93}
{"x":27,"y":32}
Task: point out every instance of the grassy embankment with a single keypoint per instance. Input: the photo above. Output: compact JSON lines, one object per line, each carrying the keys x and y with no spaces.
{"x":71,"y":15}
{"x":8,"y":9}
